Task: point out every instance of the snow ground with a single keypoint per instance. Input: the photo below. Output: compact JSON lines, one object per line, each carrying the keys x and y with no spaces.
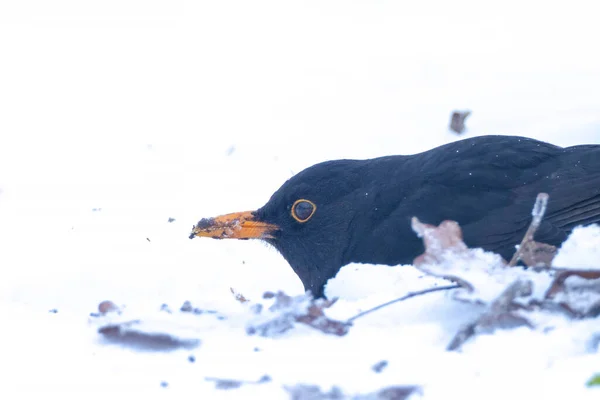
{"x":119,"y":115}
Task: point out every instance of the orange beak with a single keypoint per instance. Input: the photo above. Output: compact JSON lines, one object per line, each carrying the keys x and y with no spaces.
{"x":240,"y":225}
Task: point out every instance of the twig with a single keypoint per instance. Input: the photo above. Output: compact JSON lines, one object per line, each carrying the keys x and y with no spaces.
{"x":405,"y":297}
{"x":539,"y":209}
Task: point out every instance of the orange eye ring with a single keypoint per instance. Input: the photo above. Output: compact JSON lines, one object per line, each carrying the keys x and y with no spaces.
{"x":307,"y":210}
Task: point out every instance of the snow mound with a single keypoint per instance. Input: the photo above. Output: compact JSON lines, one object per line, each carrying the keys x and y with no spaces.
{"x":581,"y":249}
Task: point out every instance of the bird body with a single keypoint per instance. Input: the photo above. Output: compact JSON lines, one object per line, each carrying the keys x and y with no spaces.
{"x":342,"y":211}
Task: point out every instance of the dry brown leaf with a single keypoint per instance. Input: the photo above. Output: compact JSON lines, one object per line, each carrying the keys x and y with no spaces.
{"x":500,"y":315}
{"x":132,"y":334}
{"x":576,"y":291}
{"x":441,"y":242}
{"x":457,"y":121}
{"x":107,"y":306}
{"x":558,"y":284}
{"x":438,"y":240}
{"x":287,"y":310}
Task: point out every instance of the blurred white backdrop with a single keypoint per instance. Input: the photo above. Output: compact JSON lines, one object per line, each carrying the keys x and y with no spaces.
{"x":150,"y":110}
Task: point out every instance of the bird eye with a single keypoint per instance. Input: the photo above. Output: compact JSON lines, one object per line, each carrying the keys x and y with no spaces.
{"x":302,"y":210}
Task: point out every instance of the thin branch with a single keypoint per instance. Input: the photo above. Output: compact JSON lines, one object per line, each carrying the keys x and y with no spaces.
{"x":539,"y":209}
{"x":405,"y":297}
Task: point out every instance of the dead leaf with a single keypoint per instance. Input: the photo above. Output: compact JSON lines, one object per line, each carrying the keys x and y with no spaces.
{"x":132,"y":334}
{"x":107,"y":306}
{"x":314,"y":392}
{"x":441,"y":242}
{"x":457,"y":121}
{"x":558,"y":284}
{"x":483,"y":274}
{"x":499,"y":315}
{"x":577,"y":291}
{"x":438,"y":240}
{"x":226,"y":384}
{"x":287,"y":310}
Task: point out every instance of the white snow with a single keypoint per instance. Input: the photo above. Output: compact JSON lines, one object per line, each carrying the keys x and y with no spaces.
{"x":581,"y":250}
{"x":116,"y":116}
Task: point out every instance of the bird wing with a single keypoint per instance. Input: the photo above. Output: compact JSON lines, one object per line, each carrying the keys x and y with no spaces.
{"x":491,"y":193}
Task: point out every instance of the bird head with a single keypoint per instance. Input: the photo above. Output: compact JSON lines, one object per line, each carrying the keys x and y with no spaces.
{"x":308,"y":220}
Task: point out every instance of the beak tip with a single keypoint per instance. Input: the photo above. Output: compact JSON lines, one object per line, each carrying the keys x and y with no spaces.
{"x":193,"y":234}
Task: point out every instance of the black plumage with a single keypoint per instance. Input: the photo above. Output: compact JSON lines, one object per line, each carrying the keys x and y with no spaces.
{"x":360,"y":210}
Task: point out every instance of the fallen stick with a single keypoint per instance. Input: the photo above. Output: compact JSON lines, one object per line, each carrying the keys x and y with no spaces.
{"x":528,"y":246}
{"x":405,"y":297}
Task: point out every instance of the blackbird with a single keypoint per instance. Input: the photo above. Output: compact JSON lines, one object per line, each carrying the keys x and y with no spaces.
{"x":343,"y":211}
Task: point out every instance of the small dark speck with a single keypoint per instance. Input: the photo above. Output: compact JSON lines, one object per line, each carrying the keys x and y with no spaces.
{"x":96,"y":209}
{"x":148,"y":239}
{"x":221,"y":318}
{"x":380,"y":366}
{"x":243,"y":262}
{"x":256,"y":349}
{"x":186,"y":306}
{"x":53,"y":311}
{"x":226,"y":384}
{"x":171,"y":220}
{"x":191,"y":358}
{"x":164,"y":384}
{"x":165,"y":308}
